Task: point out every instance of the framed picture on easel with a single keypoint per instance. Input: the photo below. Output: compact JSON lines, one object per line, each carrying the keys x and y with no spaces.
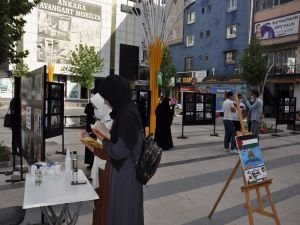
{"x":251,"y":159}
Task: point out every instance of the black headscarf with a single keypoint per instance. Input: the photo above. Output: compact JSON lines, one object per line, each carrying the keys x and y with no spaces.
{"x":116,"y":91}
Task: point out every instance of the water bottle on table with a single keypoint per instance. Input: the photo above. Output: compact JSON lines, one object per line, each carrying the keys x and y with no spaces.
{"x":74,"y":166}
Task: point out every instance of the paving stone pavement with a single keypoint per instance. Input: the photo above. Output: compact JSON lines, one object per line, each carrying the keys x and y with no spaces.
{"x":190,"y":178}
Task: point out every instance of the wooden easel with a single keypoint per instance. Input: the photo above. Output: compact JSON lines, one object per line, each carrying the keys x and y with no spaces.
{"x":247,"y":188}
{"x":101,"y":205}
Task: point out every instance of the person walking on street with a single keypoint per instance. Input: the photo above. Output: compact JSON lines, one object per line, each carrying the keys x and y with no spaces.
{"x":229,"y":108}
{"x":164,"y":117}
{"x":15,"y":110}
{"x":256,"y":111}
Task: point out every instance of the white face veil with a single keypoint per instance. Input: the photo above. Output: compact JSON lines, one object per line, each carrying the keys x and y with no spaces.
{"x":102,"y":109}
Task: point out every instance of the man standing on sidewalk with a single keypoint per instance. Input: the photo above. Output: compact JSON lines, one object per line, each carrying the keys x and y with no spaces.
{"x":256,"y":111}
{"x":228,"y":108}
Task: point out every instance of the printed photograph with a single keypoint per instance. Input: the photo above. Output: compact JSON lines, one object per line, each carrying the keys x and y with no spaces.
{"x":199,"y":115}
{"x":38,"y":87}
{"x":37,"y":122}
{"x":208,"y":116}
{"x":199,"y":107}
{"x":209,"y":99}
{"x":255,"y":175}
{"x":189,"y":116}
{"x":55,"y":106}
{"x":55,"y":122}
{"x":208,"y":107}
{"x":189,"y":97}
{"x":53,"y":25}
{"x":286,"y":101}
{"x":189,"y":107}
{"x":199,"y":98}
{"x":55,"y":91}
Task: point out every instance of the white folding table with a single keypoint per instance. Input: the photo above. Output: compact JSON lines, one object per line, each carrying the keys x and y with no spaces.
{"x":57,"y":190}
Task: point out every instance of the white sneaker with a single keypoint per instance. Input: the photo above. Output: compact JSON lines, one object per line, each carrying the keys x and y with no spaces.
{"x":234,"y":151}
{"x":226,"y":149}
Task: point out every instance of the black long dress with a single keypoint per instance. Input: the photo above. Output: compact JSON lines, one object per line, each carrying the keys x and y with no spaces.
{"x":124,"y":149}
{"x":164,"y":117}
{"x":15,"y":110}
{"x":89,"y":111}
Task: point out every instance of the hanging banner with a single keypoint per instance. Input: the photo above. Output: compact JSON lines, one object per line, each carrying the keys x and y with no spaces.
{"x":278,"y":27}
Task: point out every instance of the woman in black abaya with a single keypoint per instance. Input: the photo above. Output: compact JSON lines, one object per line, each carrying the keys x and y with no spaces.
{"x":164,"y":117}
{"x":124,"y":148}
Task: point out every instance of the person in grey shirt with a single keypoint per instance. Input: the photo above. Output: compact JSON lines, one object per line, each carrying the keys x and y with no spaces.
{"x":256,"y":110}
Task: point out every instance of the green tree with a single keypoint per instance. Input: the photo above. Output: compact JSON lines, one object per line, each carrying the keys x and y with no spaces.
{"x":85,"y":62}
{"x":11,"y":27}
{"x":167,"y":69}
{"x":20,"y":69}
{"x":254,"y":65}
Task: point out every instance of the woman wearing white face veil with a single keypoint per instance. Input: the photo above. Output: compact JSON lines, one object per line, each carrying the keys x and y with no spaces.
{"x":101,"y":111}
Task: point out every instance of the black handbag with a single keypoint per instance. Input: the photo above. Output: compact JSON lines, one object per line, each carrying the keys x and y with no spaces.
{"x":8,"y":120}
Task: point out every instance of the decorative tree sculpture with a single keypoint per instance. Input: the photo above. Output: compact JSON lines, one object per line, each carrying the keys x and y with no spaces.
{"x":156,"y":22}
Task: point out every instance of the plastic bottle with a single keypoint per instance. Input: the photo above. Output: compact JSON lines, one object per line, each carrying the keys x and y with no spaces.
{"x":68,"y":163}
{"x":38,"y":175}
{"x":74,"y":166}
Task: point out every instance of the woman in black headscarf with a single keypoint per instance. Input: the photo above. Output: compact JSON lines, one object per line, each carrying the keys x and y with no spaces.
{"x":124,"y":149}
{"x":90,"y":119}
{"x":164,"y":117}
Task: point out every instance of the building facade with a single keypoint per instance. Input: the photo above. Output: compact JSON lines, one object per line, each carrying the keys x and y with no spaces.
{"x":277,"y":24}
{"x":215,"y":36}
{"x":56,"y":27}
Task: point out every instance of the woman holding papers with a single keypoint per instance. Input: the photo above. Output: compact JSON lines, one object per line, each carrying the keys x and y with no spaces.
{"x":124,"y":146}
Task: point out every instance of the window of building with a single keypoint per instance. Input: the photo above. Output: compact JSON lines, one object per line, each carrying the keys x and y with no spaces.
{"x":209,"y":8}
{"x":191,"y":17}
{"x":208,"y":33}
{"x":190,"y":40}
{"x":201,"y":35}
{"x":266,"y":4}
{"x":200,"y":57}
{"x":231,"y":31}
{"x":230,"y":57}
{"x":203,"y":10}
{"x":231,"y":5}
{"x":284,"y":61}
{"x":206,"y":57}
{"x":188,"y":63}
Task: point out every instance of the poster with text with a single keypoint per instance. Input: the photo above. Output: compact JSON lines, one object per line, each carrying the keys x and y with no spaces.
{"x":251,"y":159}
{"x":279,"y":27}
{"x":63,"y":25}
{"x":220,"y":94}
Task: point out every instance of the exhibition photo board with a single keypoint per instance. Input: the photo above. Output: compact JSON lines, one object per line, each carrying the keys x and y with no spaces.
{"x":286,"y":111}
{"x":199,"y":108}
{"x":32,"y":112}
{"x":54,"y":109}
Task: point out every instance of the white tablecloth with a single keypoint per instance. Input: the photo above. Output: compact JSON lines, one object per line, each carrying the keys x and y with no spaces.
{"x":56,"y":190}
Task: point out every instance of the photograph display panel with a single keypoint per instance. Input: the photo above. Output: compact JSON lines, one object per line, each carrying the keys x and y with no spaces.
{"x":286,"y":111}
{"x":198,"y":108}
{"x":54,"y":110}
{"x":32,"y":111}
